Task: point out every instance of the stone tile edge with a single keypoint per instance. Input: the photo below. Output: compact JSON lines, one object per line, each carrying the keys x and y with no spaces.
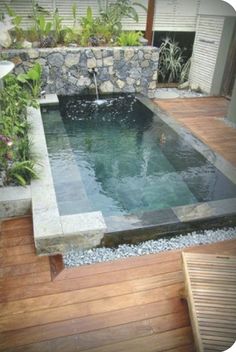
{"x":15,"y":201}
{"x":46,"y":218}
{"x":49,"y":99}
{"x":202,"y":211}
{"x":51,"y":236}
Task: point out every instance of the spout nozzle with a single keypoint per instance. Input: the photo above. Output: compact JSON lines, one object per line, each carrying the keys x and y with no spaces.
{"x":93,"y":70}
{"x":43,"y":94}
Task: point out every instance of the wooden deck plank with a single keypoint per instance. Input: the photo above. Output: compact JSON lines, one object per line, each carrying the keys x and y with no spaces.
{"x":203,"y":117}
{"x":122,"y":332}
{"x":22,"y":320}
{"x":90,"y":323}
{"x":107,"y":273}
{"x":89,"y":294}
{"x":131,"y":304}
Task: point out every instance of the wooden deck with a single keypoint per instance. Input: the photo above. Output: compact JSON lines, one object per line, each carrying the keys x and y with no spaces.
{"x":126,"y":305}
{"x":204,"y":118}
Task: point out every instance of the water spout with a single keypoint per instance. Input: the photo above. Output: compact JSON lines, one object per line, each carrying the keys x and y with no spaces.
{"x":96,"y":85}
{"x":94,"y":72}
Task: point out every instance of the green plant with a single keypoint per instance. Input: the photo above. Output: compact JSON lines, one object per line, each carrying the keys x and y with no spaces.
{"x":32,"y":79}
{"x":21,"y":172}
{"x":16,"y":162}
{"x":74,"y":14}
{"x":40,"y":26}
{"x":16,"y":21}
{"x":185,"y":71}
{"x":89,"y":27}
{"x":171,"y":61}
{"x":57,"y":26}
{"x":95,"y":31}
{"x":44,"y":27}
{"x":129,"y":38}
{"x":70,"y":35}
{"x":32,"y":35}
{"x":112,"y":13}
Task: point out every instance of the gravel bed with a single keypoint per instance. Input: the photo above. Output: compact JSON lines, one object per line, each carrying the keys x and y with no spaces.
{"x":169,"y":93}
{"x":77,"y":257}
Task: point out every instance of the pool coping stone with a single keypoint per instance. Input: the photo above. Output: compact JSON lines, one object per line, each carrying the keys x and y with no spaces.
{"x":15,"y":201}
{"x":53,"y":233}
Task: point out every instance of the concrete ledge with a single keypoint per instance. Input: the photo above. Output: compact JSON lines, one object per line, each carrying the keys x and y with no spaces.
{"x":49,"y":99}
{"x":54,"y":233}
{"x":15,"y":201}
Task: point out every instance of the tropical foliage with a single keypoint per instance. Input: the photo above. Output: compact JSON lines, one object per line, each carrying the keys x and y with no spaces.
{"x":16,"y":161}
{"x":47,"y":30}
{"x":129,"y":38}
{"x":172,"y":62}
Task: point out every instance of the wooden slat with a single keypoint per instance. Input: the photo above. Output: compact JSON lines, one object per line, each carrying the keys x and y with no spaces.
{"x":212,"y":307}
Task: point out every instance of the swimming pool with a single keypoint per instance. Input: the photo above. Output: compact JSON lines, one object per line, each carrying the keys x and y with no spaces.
{"x":122,"y":159}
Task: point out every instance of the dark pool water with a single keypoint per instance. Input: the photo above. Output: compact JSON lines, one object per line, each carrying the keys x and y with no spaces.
{"x":115,"y":157}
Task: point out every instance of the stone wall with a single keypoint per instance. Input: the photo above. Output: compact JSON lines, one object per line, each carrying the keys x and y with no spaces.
{"x":65,"y":70}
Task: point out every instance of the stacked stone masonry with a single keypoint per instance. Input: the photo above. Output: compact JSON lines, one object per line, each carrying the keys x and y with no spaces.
{"x":66,"y":70}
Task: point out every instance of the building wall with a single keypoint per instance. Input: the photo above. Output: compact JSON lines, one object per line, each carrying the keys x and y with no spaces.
{"x":180,"y":15}
{"x":170,"y":15}
{"x":232,"y":107}
{"x":205,"y":51}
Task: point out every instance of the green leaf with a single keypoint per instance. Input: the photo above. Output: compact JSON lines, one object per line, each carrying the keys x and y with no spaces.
{"x":17,"y":20}
{"x":89,"y":13}
{"x":41,"y":22}
{"x":20,"y":179}
{"x":133,"y":14}
{"x":139,"y":5}
{"x":48,"y":27}
{"x":10,"y":11}
{"x":35,"y":72}
{"x":22,"y":77}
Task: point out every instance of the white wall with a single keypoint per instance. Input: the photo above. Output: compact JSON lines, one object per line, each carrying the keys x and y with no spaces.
{"x":205,"y":51}
{"x":176,"y":15}
{"x":216,"y":8}
{"x":170,"y":15}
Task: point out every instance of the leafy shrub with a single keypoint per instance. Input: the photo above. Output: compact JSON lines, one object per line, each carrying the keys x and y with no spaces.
{"x":16,"y":161}
{"x":185,"y":71}
{"x":113,"y":13}
{"x":32,"y":79}
{"x":71,"y":35}
{"x":48,"y":31}
{"x":129,"y":38}
{"x":171,"y":61}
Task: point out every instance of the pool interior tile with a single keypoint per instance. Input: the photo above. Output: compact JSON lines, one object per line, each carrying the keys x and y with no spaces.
{"x":193,"y":212}
{"x":158,"y":217}
{"x":165,"y":218}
